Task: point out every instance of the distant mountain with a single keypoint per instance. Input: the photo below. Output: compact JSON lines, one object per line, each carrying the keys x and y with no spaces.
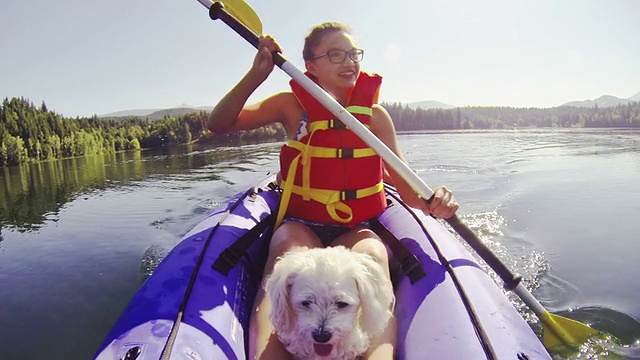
{"x":176,"y":112}
{"x":155,"y":114}
{"x":430,"y":104}
{"x":604,"y":101}
{"x":136,"y":112}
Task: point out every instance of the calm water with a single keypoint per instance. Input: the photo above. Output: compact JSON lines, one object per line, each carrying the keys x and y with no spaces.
{"x":77,"y":236}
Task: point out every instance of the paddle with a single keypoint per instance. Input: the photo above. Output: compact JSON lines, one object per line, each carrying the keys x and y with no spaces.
{"x":557,"y":330}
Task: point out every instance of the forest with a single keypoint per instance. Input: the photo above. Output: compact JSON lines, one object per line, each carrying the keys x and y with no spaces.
{"x":35,"y":133}
{"x":30,"y":133}
{"x":464,"y":118}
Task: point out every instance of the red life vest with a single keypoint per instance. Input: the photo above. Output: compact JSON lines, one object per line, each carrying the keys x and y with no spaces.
{"x":330,"y":175}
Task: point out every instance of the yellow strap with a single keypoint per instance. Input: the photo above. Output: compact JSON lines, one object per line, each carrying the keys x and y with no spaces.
{"x":327,"y":152}
{"x":327,"y":124}
{"x":333,"y":199}
{"x":287,"y":187}
{"x":306,"y":166}
{"x":331,"y":124}
{"x":323,"y":125}
{"x":362,"y":110}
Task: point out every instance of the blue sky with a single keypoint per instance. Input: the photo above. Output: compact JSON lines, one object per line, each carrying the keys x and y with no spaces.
{"x":94,"y":57}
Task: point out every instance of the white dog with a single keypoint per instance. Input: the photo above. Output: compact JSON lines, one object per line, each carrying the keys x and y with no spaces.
{"x":328,"y":302}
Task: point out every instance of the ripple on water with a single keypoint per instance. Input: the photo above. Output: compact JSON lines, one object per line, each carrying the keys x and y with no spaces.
{"x":600,"y":346}
{"x":518,"y":256}
{"x":620,"y":333}
{"x":447,"y":168}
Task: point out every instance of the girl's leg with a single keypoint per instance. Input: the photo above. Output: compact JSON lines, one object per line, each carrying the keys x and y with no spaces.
{"x":364,"y":240}
{"x":263,"y":343}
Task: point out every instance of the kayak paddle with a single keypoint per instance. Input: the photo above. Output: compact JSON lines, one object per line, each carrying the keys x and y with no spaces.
{"x":557,"y":330}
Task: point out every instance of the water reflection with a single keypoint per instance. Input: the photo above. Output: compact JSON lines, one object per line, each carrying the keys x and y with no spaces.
{"x":33,"y":194}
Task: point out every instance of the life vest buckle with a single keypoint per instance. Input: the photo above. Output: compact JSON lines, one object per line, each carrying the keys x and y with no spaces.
{"x":337,"y":125}
{"x":348,"y":195}
{"x":344,"y":153}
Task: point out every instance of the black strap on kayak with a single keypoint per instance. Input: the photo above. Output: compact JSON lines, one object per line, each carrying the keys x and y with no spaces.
{"x":409,"y":263}
{"x":194,"y":275}
{"x":231,"y":256}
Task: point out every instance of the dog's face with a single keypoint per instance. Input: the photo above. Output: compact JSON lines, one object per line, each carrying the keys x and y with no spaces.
{"x":326,"y":308}
{"x":328,"y":301}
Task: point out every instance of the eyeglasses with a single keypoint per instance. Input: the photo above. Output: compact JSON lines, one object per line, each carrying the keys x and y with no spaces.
{"x":337,"y":56}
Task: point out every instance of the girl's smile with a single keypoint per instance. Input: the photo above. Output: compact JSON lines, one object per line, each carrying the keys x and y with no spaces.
{"x":339,"y":78}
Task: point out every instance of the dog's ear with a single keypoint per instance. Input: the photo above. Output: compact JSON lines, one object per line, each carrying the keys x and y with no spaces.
{"x":376,"y":294}
{"x":278,"y":288}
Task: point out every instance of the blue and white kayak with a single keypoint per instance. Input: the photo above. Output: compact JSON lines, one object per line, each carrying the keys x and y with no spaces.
{"x":197,"y":303}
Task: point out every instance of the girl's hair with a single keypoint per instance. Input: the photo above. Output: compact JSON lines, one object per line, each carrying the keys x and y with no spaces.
{"x":317,"y":32}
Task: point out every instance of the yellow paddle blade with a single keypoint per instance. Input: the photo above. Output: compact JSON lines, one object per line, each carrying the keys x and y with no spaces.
{"x":245,"y":14}
{"x":561,"y":331}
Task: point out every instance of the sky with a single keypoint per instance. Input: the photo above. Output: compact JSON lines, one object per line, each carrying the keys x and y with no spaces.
{"x":84,"y":57}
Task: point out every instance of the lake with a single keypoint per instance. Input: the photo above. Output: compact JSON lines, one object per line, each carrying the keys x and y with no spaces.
{"x":78,"y":236}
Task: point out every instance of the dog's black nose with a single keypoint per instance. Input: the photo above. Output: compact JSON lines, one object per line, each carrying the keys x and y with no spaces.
{"x":321,"y":336}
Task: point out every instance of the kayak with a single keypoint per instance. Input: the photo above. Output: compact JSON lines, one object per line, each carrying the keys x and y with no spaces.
{"x":197,"y":303}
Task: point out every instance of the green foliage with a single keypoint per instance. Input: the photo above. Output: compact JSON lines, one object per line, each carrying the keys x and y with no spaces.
{"x":407,"y":119}
{"x":29,"y":133}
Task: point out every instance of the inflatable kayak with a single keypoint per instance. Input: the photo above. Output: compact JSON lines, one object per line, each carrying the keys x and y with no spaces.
{"x":197,"y":303}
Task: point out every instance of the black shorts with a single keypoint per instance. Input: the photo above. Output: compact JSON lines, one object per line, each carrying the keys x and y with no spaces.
{"x":327,"y":232}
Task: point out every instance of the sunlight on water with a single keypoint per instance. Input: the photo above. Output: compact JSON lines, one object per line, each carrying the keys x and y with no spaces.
{"x":601,"y":346}
{"x":531,"y":265}
{"x":487,"y":224}
{"x":207,"y":206}
{"x":447,"y":168}
{"x":155,"y":253}
{"x":152,"y":257}
{"x":534,"y":268}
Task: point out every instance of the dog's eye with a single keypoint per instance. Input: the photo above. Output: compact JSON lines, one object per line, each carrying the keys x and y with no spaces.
{"x":306,"y":303}
{"x":341,"y":304}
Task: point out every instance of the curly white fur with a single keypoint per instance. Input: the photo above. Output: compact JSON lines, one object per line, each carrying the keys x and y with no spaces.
{"x":328,"y":302}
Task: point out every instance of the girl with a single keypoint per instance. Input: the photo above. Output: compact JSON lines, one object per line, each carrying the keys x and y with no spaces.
{"x":327,"y":203}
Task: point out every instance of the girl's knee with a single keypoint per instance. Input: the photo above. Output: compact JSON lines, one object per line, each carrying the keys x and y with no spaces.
{"x":374,"y":248}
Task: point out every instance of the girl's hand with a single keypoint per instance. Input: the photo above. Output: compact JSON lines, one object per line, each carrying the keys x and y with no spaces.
{"x":263,"y":62}
{"x":443,"y":205}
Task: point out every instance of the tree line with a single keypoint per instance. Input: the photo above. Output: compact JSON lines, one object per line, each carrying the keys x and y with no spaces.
{"x":30,"y":133}
{"x":408,"y":119}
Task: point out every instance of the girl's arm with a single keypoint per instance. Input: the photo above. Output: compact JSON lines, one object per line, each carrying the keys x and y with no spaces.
{"x":443,"y":204}
{"x":231,"y":114}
